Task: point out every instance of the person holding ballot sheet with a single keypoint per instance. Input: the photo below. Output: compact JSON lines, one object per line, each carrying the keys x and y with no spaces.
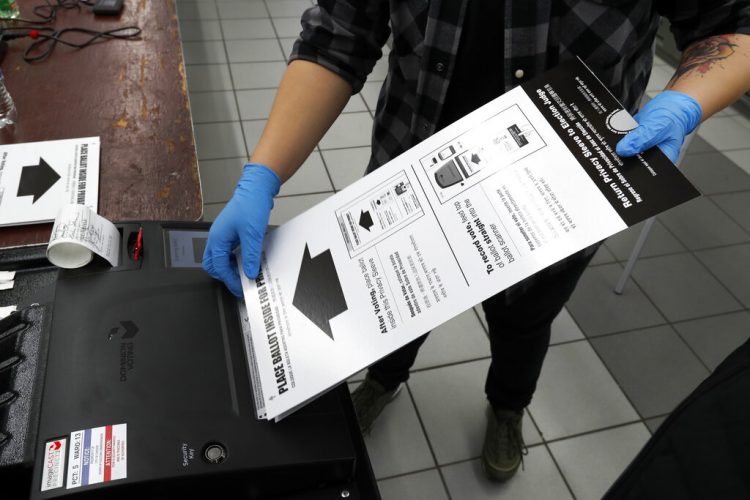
{"x":449,"y":57}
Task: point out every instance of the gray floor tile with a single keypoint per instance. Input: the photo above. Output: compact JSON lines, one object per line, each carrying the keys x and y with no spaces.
{"x":355,"y":104}
{"x":290,"y":206}
{"x":598,"y":310}
{"x":653,"y":366}
{"x":254,"y":50}
{"x":737,"y":205}
{"x":346,"y":165}
{"x":219,"y":140}
{"x":654,"y":423}
{"x":210,"y":211}
{"x":714,"y":338}
{"x":577,"y":394}
{"x":660,"y":76}
{"x":349,"y":130}
{"x":213,"y":107}
{"x":370,"y":93}
{"x":219,"y":178}
{"x":397,"y":444}
{"x":700,"y":224}
{"x":682,"y":288}
{"x":258,"y":75}
{"x":659,"y":242}
{"x":452,"y":404}
{"x":699,"y":145}
{"x":730,"y":132}
{"x":380,"y":71}
{"x":287,"y":27}
{"x":565,"y":329}
{"x":540,"y":480}
{"x":253,"y":130}
{"x":460,"y":339}
{"x":425,"y":485}
{"x":255,"y":104}
{"x":288,"y":8}
{"x":731,"y":265}
{"x":357,"y":377}
{"x":591,"y":463}
{"x":603,"y":256}
{"x":741,"y":158}
{"x":239,"y":9}
{"x":310,"y":178}
{"x":287,"y":44}
{"x":195,"y":30}
{"x":715,"y":173}
{"x":198,"y":9}
{"x":209,"y":52}
{"x":244,"y":29}
{"x":203,"y":77}
{"x":482,"y":318}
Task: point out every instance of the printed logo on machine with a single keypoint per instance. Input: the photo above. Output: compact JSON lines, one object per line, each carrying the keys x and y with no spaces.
{"x":53,"y":468}
{"x":97,"y":455}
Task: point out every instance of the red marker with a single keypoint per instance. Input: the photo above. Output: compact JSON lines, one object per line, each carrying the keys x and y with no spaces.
{"x":138,"y":245}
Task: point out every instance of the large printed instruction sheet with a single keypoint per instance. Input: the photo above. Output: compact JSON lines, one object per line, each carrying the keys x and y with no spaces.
{"x":517,"y":185}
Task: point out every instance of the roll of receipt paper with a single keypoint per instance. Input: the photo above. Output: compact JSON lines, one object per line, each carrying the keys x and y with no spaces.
{"x":78,"y":234}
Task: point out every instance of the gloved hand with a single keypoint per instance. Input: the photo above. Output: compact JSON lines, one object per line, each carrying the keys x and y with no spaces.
{"x":243,"y":221}
{"x":664,"y":121}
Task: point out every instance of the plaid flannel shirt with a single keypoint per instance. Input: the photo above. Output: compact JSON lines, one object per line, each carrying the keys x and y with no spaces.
{"x":614,"y":37}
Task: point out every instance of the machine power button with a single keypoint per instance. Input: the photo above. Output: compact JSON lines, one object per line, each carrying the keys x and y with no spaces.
{"x":214,"y":453}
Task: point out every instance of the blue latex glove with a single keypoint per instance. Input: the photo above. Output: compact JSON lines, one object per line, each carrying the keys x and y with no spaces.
{"x":243,"y":221}
{"x":664,"y":121}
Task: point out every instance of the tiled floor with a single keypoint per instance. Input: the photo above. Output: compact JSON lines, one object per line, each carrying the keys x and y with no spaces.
{"x":618,"y":364}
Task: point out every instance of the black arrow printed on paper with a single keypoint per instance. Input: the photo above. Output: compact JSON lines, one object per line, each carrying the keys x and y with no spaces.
{"x":37,"y":179}
{"x":365,"y":220}
{"x":318,"y":294}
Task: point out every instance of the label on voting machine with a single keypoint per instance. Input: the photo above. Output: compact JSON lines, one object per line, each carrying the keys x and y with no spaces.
{"x":515,"y":186}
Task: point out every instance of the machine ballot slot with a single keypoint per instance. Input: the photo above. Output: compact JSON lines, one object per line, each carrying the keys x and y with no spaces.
{"x":128,"y":236}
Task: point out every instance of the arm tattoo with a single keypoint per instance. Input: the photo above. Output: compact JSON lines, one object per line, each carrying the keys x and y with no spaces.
{"x":701,"y":56}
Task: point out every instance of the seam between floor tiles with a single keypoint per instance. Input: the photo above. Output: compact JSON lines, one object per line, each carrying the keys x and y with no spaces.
{"x":427,"y":439}
{"x":234,"y":93}
{"x":700,"y":262}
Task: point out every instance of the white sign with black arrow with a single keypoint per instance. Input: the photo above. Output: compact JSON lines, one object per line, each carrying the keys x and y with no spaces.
{"x":38,"y":178}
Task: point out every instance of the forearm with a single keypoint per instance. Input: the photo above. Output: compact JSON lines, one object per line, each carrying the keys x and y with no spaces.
{"x":714,"y":71}
{"x":308,"y":101}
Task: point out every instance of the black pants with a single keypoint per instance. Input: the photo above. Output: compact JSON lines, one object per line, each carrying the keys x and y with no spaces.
{"x":519,"y":337}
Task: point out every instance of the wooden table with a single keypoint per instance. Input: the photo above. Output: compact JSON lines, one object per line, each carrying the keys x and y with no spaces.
{"x":133,"y":94}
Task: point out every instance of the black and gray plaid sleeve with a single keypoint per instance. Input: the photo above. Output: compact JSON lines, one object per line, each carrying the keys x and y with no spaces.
{"x":694,"y":20}
{"x":344,"y":36}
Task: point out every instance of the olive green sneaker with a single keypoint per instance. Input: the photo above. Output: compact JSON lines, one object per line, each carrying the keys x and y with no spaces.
{"x":503,"y":449}
{"x":369,"y":399}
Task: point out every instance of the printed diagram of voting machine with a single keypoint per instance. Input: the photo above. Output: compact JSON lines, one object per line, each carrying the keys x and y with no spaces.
{"x":378,"y":213}
{"x":473,"y":156}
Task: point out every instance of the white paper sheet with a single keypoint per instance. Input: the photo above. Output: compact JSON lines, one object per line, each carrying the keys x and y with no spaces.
{"x":38,"y":178}
{"x":510,"y":189}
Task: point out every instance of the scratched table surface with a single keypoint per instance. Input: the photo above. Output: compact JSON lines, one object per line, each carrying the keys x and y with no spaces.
{"x":132,"y":94}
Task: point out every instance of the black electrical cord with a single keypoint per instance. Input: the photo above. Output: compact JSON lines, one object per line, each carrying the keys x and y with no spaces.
{"x":47,"y":40}
{"x":47,"y":12}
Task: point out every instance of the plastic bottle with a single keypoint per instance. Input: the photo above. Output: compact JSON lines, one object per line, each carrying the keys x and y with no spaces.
{"x":9,"y":9}
{"x":8,"y":112}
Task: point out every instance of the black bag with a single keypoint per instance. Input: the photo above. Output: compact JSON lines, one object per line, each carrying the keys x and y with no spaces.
{"x":702,"y":450}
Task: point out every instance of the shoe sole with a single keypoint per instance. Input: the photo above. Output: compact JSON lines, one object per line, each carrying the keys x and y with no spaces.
{"x":497,"y":474}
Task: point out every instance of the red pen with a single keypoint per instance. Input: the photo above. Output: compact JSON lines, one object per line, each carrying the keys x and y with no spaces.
{"x":138,"y":245}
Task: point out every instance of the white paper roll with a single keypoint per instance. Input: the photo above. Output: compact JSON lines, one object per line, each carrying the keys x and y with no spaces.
{"x":78,"y":234}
